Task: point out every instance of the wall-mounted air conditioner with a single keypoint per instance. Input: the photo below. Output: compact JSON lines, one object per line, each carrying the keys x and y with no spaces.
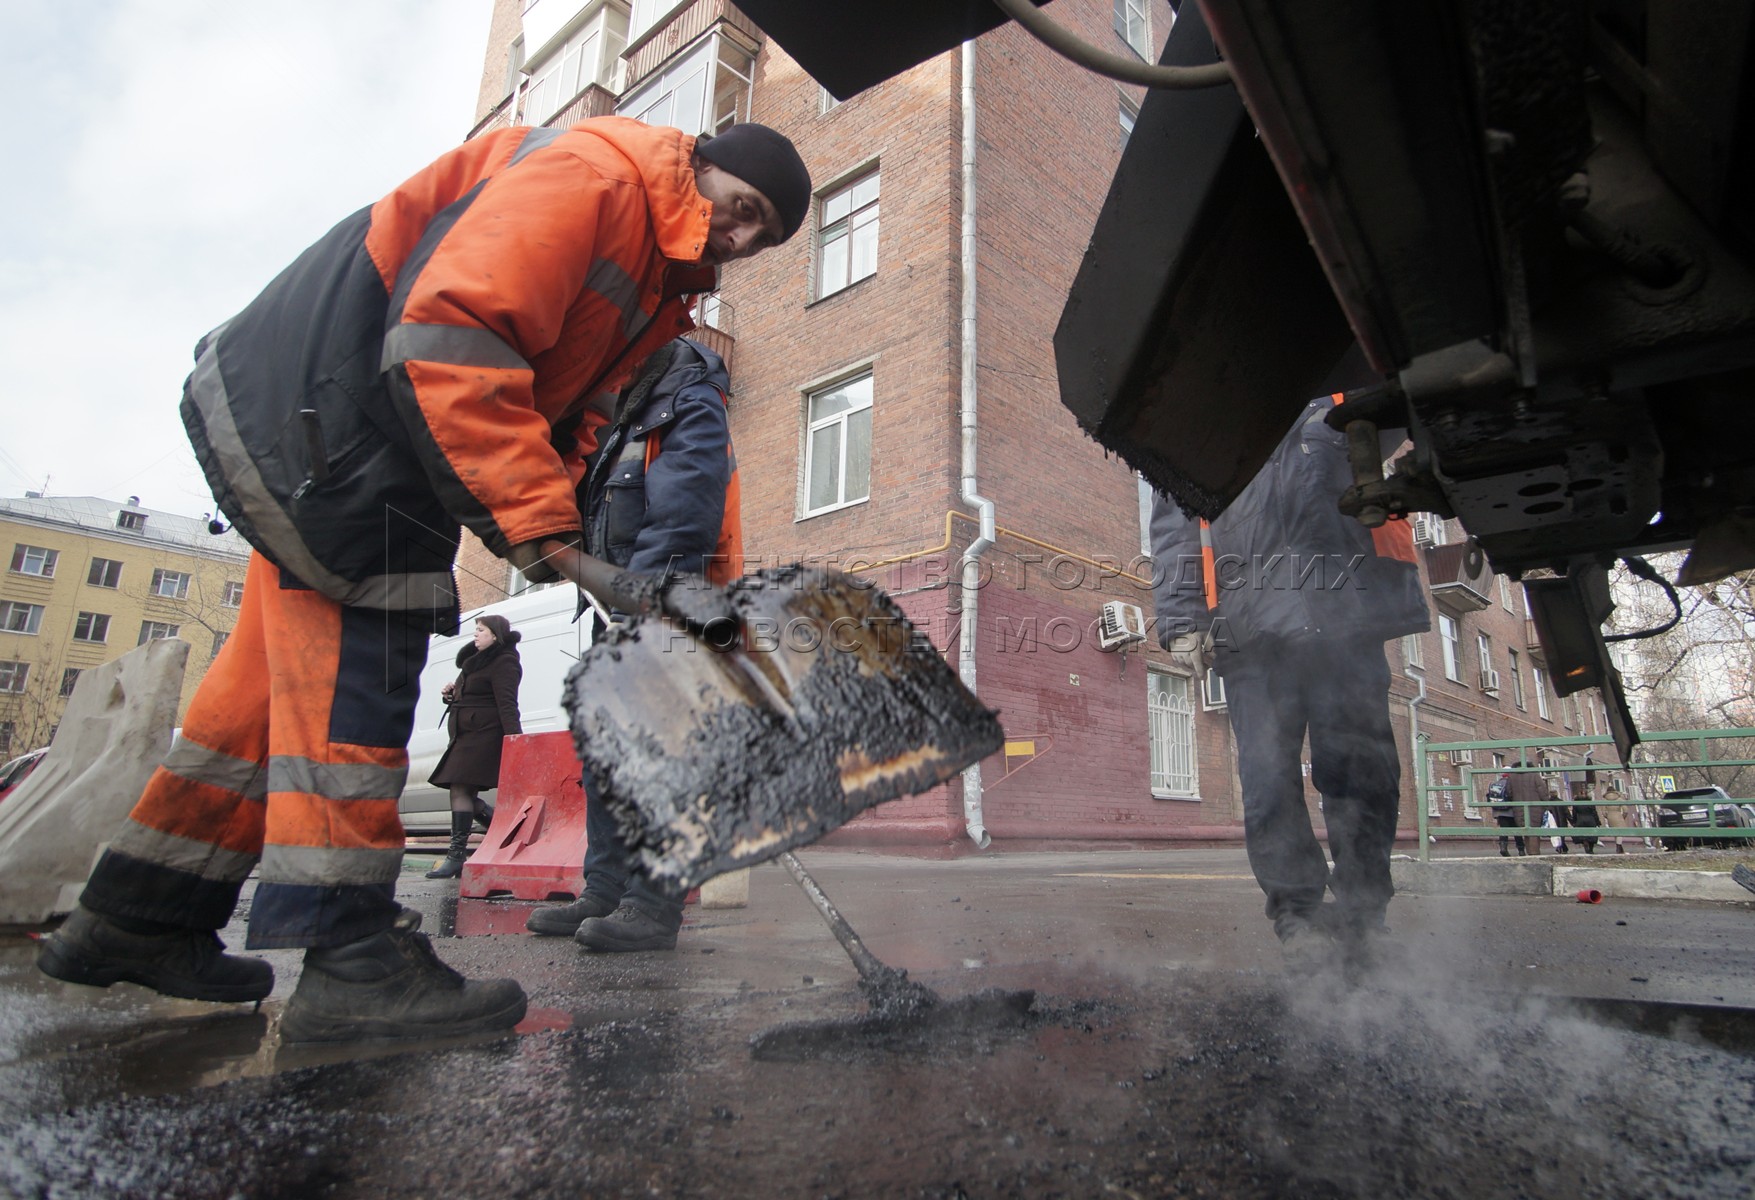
{"x":1120,"y":625}
{"x":1462,"y":756}
{"x":1490,"y":681}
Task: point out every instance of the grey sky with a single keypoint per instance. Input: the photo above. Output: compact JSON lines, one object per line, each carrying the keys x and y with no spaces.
{"x":165,"y":158}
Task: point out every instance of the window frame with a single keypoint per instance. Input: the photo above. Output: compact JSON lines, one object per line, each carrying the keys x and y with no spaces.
{"x":1517,"y":693}
{"x":232,"y":594}
{"x":811,"y":426}
{"x":69,"y":680}
{"x":149,"y":632}
{"x":46,"y":559}
{"x":94,"y":622}
{"x":94,"y":577}
{"x":1450,"y":641}
{"x":160,"y":575}
{"x":1484,"y":651}
{"x":33,"y":617}
{"x":851,"y":226}
{"x":1539,"y":680}
{"x":133,"y":522}
{"x":1122,"y":20}
{"x":1168,"y":783}
{"x":14,"y":677}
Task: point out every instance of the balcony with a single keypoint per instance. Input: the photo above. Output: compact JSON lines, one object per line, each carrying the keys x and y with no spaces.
{"x":594,"y":101}
{"x":1459,"y":577}
{"x":655,"y":47}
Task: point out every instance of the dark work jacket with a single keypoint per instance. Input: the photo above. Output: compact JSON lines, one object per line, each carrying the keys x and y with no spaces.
{"x":481,"y":713}
{"x":661,"y":490}
{"x":1289,"y":564}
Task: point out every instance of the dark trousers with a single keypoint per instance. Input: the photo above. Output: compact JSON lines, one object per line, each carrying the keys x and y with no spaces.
{"x":612,"y":875}
{"x":1337,"y":691}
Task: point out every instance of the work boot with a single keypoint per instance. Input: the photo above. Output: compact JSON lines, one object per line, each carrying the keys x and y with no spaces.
{"x":484,"y":814}
{"x":392,"y":985}
{"x":627,"y":928}
{"x":187,"y":963}
{"x":452,"y":865}
{"x":1307,"y":946}
{"x":564,"y":920}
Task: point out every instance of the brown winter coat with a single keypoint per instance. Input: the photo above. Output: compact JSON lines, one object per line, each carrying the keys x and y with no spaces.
{"x":483,"y":710}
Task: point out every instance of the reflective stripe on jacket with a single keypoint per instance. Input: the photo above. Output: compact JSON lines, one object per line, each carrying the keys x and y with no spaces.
{"x":1283,"y":562}
{"x":429,"y":362}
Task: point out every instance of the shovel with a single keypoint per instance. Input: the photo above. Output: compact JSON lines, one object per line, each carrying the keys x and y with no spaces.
{"x":716,"y":748}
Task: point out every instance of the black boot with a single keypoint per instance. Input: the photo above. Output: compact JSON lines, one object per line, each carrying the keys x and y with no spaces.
{"x":484,"y":814}
{"x":564,"y":920}
{"x":392,"y":985}
{"x":188,"y":963}
{"x":455,"y":857}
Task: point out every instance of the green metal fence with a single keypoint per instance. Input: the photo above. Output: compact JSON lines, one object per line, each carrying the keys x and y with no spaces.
{"x":1699,"y":759}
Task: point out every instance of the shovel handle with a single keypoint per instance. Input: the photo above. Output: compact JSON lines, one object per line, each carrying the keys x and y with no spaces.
{"x":610,"y":586}
{"x":870,"y":968}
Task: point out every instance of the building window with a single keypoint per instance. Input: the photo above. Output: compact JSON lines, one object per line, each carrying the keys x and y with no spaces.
{"x":1484,"y":649}
{"x":1413,"y":651}
{"x":20,"y":618}
{"x":1133,"y":24}
{"x":847,"y":235}
{"x":826,"y":102}
{"x":34,"y":560}
{"x":1170,"y":719}
{"x":233,"y":594}
{"x":104,"y":573}
{"x":707,"y":90}
{"x":135,"y":521}
{"x":1448,"y":637}
{"x":1213,"y":690}
{"x":1145,"y":490}
{"x":5,"y":736}
{"x":220,"y":637}
{"x":156,"y":631}
{"x":588,"y":57}
{"x":1517,"y":680}
{"x":1505,"y":593}
{"x":13,"y":676}
{"x":91,"y":627}
{"x":69,"y":678}
{"x":1539,"y":680}
{"x":173,"y":585}
{"x":1130,"y":113}
{"x":837,"y":446}
{"x":645,"y":14}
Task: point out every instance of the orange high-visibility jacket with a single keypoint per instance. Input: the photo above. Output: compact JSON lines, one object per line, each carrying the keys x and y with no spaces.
{"x":433,"y":361}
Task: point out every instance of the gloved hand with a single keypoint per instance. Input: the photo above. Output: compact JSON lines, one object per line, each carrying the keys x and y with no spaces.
{"x":1199,"y":654}
{"x":702,"y":607}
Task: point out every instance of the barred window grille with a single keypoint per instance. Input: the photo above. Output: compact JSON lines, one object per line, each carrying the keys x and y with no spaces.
{"x":1170,"y":718}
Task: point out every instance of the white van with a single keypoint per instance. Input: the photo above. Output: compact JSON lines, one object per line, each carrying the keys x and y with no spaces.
{"x":551,"y":643}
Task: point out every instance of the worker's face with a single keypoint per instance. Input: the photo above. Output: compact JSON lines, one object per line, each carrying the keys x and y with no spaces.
{"x":484,"y":637}
{"x":744,"y":222}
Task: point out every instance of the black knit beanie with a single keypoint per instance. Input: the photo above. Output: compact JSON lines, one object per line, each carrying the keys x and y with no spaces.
{"x":766,"y":161}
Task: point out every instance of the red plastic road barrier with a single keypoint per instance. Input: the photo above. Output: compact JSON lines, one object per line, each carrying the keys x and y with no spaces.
{"x":535,"y":849}
{"x":1586,"y":896}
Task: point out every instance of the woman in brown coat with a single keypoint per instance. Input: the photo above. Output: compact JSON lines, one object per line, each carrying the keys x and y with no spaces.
{"x":482,"y":708}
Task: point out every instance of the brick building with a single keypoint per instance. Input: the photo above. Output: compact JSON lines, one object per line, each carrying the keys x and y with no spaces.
{"x":852,"y":405}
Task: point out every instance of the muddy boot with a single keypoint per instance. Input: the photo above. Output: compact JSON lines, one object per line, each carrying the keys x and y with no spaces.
{"x":392,"y":985}
{"x":627,"y":928}
{"x":187,"y":963}
{"x":484,"y":814}
{"x":458,"y":854}
{"x":564,"y":920}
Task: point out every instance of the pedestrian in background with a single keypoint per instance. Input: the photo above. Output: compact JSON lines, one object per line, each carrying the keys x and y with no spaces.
{"x":661,"y":493}
{"x":1620,"y":813}
{"x":1525,"y":790}
{"x":481,"y":711}
{"x":1505,"y":814}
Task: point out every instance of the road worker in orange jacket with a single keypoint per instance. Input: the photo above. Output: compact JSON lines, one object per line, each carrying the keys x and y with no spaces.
{"x":435,"y":361}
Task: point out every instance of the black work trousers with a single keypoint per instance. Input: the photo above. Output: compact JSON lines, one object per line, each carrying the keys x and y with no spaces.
{"x":612,"y":874}
{"x":1337,"y":691}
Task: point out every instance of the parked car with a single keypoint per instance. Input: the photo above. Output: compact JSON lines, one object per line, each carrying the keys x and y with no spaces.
{"x":1726,"y":814}
{"x":14,"y":772}
{"x":551,"y":643}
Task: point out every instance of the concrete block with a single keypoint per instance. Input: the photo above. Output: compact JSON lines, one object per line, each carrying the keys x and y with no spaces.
{"x":116,"y":731}
{"x":1630,"y":884}
{"x":1472,"y":876}
{"x":730,"y":890}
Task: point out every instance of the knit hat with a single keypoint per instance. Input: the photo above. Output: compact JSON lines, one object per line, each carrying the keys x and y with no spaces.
{"x":766,"y":161}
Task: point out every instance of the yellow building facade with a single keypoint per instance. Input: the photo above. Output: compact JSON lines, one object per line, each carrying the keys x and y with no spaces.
{"x":85,"y":581}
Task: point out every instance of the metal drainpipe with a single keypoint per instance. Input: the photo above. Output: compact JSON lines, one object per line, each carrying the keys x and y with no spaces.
{"x":1414,"y":703}
{"x":971,"y":565}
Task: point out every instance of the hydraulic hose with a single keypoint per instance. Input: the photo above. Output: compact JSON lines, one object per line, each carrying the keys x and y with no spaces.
{"x":1129,"y":70}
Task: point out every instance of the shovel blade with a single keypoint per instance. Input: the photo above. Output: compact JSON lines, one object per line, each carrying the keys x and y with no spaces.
{"x":713,"y":759}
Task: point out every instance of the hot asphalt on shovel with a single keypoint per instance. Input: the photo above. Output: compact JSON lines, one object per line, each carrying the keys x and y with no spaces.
{"x":717,"y":747}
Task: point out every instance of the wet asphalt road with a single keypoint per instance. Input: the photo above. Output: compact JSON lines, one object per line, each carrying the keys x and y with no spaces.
{"x":1166,"y":1054}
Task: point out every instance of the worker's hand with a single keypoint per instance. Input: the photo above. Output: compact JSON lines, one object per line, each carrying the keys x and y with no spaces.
{"x":703,"y":607}
{"x":1199,"y":654}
